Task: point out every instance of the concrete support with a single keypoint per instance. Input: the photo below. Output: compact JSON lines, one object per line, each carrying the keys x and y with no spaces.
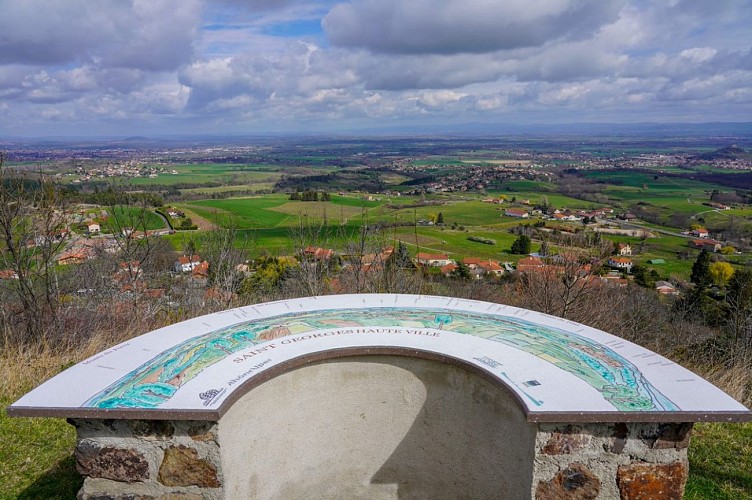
{"x":379,"y":427}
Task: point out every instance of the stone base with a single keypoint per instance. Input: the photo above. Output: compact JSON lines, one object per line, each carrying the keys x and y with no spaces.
{"x":382,"y":428}
{"x":143,"y":460}
{"x":635,"y":461}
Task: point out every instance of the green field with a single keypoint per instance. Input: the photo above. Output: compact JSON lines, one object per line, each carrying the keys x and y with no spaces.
{"x":131,"y":217}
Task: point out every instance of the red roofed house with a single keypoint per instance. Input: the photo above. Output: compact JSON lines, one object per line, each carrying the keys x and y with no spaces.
{"x":530,"y":264}
{"x":448,"y":269}
{"x":516,"y":212}
{"x":491,"y":267}
{"x":8,"y":274}
{"x":709,"y":245}
{"x":624,"y":249}
{"x":318,"y":253}
{"x":201,"y":270}
{"x":432,"y":259}
{"x":187,"y":264}
{"x":622,"y":263}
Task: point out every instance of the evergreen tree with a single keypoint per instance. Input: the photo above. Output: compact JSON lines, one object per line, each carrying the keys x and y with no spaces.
{"x":522,"y":245}
{"x":544,"y":249}
{"x":462,"y":272}
{"x":401,"y":257}
{"x":440,"y":218}
{"x":701,"y":271}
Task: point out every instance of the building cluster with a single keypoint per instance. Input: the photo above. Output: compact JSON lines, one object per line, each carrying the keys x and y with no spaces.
{"x":126,"y":169}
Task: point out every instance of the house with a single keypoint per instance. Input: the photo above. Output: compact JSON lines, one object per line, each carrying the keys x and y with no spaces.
{"x":479,"y":267}
{"x":318,"y":253}
{"x":621,"y":263}
{"x":472,"y":262}
{"x":624,"y":249}
{"x":94,"y":228}
{"x":448,"y":269}
{"x":432,"y":259}
{"x":74,"y":256}
{"x":615,"y":280}
{"x":530,"y":264}
{"x":187,"y":264}
{"x":700,"y":232}
{"x":128,"y":270}
{"x":200,"y":271}
{"x":707,"y":244}
{"x":516,"y":212}
{"x":491,"y":267}
{"x":8,"y":274}
{"x":666,"y":288}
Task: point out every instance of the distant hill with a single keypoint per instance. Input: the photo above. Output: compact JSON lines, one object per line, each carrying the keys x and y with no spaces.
{"x":732,"y":152}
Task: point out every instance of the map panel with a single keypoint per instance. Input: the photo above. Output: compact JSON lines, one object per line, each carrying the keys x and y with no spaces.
{"x":552,"y":365}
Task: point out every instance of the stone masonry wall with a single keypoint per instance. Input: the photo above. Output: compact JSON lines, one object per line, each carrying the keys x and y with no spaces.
{"x":635,"y":461}
{"x":180,"y":460}
{"x":148,"y":459}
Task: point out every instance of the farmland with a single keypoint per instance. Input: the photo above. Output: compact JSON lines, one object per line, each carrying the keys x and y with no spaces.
{"x":398,"y":189}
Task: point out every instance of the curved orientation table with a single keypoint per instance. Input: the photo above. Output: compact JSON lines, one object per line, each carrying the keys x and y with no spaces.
{"x":557,"y":370}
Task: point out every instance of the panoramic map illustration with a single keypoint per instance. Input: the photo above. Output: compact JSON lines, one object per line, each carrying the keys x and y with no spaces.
{"x":552,"y":365}
{"x":619,"y":381}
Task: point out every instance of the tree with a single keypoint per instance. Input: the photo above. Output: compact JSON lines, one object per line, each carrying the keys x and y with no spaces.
{"x":720,"y":273}
{"x":521,"y":245}
{"x":644,"y":276}
{"x":462,"y":272}
{"x":701,"y":270}
{"x":440,"y":218}
{"x":544,"y":250}
{"x":739,"y":305}
{"x":401,"y":257}
{"x":728,"y":250}
{"x":33,"y":231}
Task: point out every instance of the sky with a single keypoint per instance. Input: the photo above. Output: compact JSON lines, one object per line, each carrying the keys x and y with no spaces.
{"x":171,"y":67}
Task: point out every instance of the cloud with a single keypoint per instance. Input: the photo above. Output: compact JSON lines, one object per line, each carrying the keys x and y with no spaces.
{"x":151,"y":35}
{"x":464,"y":26}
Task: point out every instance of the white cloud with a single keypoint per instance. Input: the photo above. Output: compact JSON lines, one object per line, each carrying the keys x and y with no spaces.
{"x":217,"y":65}
{"x":464,"y":26}
{"x":144,"y":34}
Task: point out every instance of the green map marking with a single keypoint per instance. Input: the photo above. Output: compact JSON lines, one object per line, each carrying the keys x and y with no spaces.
{"x":618,"y":380}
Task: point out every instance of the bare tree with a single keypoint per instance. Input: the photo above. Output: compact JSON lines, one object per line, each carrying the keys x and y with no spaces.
{"x":33,"y":231}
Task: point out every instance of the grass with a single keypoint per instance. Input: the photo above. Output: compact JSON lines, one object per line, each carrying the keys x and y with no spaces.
{"x":247,"y":212}
{"x":132,"y":217}
{"x":720,"y":462}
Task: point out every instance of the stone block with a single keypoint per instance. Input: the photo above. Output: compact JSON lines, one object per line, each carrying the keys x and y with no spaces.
{"x":151,"y":430}
{"x":576,"y":482}
{"x":183,"y":467}
{"x":202,"y":431}
{"x":619,"y":434}
{"x":566,"y":441}
{"x":108,"y":462}
{"x":645,"y":481}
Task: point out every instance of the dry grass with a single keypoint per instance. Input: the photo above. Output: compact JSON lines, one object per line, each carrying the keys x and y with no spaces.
{"x":735,"y":381}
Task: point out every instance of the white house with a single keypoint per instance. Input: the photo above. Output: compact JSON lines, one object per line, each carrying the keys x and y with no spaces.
{"x":187,"y":264}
